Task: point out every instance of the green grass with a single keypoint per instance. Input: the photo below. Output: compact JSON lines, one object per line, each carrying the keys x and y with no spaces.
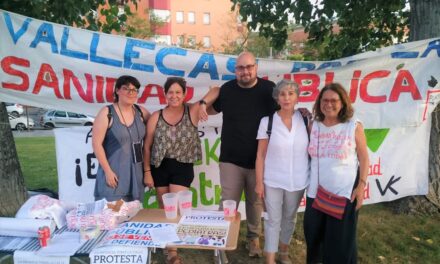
{"x":383,"y":237}
{"x":38,"y":162}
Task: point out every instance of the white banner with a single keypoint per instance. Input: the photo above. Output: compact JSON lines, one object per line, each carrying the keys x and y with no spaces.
{"x":398,"y":166}
{"x":394,"y":91}
{"x":49,"y":65}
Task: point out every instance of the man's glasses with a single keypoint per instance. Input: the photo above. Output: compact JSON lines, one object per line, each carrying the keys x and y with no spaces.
{"x":128,"y":90}
{"x":248,"y":67}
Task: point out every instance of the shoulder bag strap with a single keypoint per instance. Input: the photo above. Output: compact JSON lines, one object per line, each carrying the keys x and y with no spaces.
{"x":269,"y":126}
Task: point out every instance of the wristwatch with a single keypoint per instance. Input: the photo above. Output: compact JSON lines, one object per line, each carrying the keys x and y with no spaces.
{"x":202,"y":102}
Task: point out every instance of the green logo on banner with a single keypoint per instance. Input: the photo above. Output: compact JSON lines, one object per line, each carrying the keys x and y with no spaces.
{"x":375,"y":138}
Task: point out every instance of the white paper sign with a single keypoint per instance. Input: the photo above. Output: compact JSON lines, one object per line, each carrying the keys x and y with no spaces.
{"x":118,"y":254}
{"x":30,"y":257}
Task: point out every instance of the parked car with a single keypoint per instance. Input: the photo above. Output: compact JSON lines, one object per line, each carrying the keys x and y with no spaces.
{"x":56,"y":118}
{"x":15,"y":109}
{"x":20,"y":122}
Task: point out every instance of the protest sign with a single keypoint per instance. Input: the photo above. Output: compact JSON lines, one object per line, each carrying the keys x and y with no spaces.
{"x":393,"y":89}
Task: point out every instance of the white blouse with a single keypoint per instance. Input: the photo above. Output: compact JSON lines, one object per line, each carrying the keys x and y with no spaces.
{"x":287,"y":162}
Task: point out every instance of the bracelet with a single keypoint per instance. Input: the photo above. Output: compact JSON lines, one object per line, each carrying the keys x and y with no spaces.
{"x":202,"y":102}
{"x":146,"y":171}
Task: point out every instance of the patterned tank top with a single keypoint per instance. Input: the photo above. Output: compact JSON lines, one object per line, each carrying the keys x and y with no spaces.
{"x":180,"y":142}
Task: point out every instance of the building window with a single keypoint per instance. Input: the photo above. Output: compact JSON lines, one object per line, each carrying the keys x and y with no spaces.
{"x":206,"y":42}
{"x":206,"y":18}
{"x":180,"y":40}
{"x":179,"y":17}
{"x":191,"y":18}
{"x":192,"y":41}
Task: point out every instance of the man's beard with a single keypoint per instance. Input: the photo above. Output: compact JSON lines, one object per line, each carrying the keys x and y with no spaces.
{"x":247,"y":83}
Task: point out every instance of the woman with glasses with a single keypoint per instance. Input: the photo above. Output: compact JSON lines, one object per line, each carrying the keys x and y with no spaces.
{"x":339,"y":169}
{"x":117,"y":139}
{"x":172,"y":145}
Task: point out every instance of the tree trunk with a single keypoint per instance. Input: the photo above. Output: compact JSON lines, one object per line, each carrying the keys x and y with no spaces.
{"x":13,"y":191}
{"x":425,"y":23}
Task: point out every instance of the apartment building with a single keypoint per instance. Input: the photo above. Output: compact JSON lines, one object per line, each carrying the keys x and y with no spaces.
{"x":203,"y":24}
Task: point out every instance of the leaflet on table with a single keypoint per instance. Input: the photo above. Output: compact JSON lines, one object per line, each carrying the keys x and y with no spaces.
{"x":207,"y":229}
{"x":205,"y":218}
{"x":135,"y":234}
{"x":96,"y":207}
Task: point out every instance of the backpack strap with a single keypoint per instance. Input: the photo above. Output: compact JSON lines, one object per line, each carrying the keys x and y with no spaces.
{"x":269,"y":126}
{"x":109,"y":116}
{"x":138,"y":108}
{"x":306,"y":123}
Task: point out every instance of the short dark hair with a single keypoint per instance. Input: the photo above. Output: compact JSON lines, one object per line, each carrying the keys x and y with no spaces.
{"x":172,"y":80}
{"x":124,"y":80}
{"x":346,"y":111}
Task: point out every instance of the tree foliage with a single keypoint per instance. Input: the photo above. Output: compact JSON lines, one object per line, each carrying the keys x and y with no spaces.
{"x":251,"y":41}
{"x":138,"y":27}
{"x":83,"y":14}
{"x":363,"y":24}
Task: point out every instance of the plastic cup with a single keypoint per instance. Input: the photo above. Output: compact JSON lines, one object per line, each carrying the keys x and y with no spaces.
{"x":170,"y":205}
{"x":229,"y":208}
{"x":185,"y":202}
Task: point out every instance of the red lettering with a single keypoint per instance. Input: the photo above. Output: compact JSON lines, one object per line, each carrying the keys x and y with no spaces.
{"x":374,"y":169}
{"x":354,"y":85}
{"x":99,"y":89}
{"x":367,"y":191}
{"x":69,"y":76}
{"x":6,"y":64}
{"x":308,"y":86}
{"x":329,"y":76}
{"x":109,"y":89}
{"x":404,"y":83}
{"x":47,"y":77}
{"x":364,"y":85}
{"x":189,"y":93}
{"x":148,"y":93}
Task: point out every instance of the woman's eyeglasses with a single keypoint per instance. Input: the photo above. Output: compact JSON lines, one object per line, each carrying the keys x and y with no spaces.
{"x":330,"y":101}
{"x":128,"y":90}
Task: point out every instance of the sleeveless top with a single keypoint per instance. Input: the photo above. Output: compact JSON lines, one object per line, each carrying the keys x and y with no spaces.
{"x":118,"y":150}
{"x":180,"y":142}
{"x":337,"y":162}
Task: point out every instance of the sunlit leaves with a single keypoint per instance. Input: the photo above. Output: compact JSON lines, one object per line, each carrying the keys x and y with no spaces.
{"x":363,"y":24}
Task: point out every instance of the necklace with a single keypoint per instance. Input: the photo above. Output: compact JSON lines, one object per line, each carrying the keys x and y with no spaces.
{"x":125,"y":123}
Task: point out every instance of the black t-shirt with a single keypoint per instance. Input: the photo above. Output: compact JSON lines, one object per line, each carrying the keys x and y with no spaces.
{"x":242,"y":110}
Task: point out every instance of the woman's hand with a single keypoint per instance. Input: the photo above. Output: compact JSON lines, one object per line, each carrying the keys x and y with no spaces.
{"x":148,"y":179}
{"x":358,"y":194}
{"x":112,"y":179}
{"x":259,"y":189}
